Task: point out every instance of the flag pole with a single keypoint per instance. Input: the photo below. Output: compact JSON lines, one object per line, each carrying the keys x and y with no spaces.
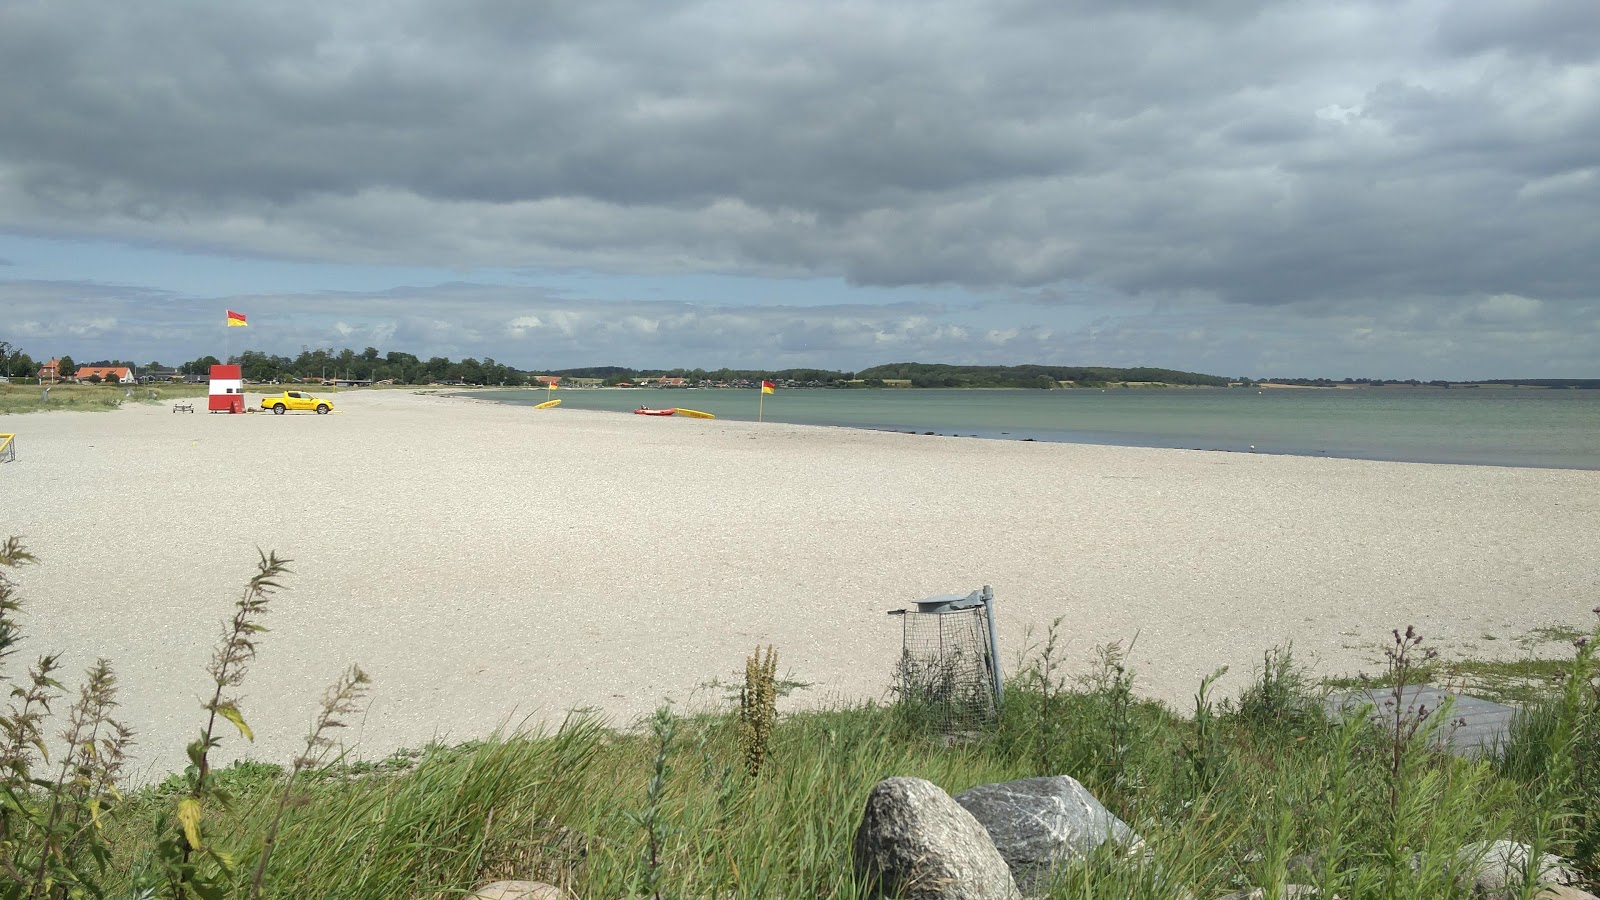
{"x":761,"y":392}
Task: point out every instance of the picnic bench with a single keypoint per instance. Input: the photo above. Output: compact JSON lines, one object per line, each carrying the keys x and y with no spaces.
{"x":183,"y":407}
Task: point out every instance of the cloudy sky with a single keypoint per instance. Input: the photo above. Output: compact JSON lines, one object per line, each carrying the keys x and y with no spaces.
{"x":1394,"y":188}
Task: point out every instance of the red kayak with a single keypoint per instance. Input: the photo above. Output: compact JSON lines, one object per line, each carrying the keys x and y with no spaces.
{"x":646,"y":411}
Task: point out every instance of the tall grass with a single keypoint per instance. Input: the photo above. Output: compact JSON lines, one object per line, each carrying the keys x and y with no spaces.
{"x":25,"y":398}
{"x":1257,"y":790}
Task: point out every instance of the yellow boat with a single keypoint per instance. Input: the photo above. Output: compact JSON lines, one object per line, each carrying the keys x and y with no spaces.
{"x":695,"y":413}
{"x":548,"y":404}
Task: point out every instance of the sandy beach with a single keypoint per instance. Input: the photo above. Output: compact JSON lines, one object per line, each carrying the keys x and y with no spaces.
{"x":489,"y":564}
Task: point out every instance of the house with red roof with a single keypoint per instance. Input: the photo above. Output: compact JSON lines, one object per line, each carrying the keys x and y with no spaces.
{"x":119,"y":374}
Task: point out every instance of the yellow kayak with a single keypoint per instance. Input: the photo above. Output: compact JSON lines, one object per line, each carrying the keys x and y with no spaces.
{"x":548,"y":404}
{"x":695,"y":413}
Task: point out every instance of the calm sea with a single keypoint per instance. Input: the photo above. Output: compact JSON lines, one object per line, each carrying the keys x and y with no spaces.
{"x":1501,"y":427}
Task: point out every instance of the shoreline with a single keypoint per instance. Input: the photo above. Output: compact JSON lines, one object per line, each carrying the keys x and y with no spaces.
{"x":487,"y":565}
{"x":1021,"y":433}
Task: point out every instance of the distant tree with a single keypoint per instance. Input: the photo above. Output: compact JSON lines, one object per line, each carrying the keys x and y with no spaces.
{"x":94,"y":378}
{"x":68,"y":367}
{"x":201,"y":366}
{"x":9,"y":356}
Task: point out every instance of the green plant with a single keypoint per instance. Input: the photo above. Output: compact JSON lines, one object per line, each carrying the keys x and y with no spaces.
{"x":1565,"y":802}
{"x":340,"y":702}
{"x":1043,"y":676}
{"x":652,"y":820}
{"x":1204,"y":756}
{"x":1406,"y":722}
{"x":188,"y":863}
{"x":51,"y":839}
{"x":1111,"y":685}
{"x":1281,"y":696}
{"x":758,"y":708}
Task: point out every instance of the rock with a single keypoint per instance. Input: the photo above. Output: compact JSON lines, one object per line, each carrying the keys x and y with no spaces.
{"x":1036,"y":823}
{"x":1290,"y":892}
{"x":519,"y":890}
{"x":1495,"y":867}
{"x":1301,"y":864}
{"x":1562,"y":892}
{"x":916,"y":842}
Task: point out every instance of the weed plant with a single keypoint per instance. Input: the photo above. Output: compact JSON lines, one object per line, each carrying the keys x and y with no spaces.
{"x":1258,"y":790}
{"x":758,"y":708}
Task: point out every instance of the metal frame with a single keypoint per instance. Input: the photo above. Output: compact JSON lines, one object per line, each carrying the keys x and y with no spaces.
{"x":948,"y":603}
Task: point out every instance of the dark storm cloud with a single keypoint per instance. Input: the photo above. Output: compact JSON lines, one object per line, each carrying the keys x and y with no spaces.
{"x":1262,"y":152}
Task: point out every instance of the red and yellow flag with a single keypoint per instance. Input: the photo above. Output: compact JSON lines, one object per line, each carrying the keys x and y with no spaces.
{"x":767,"y":387}
{"x":235,"y":318}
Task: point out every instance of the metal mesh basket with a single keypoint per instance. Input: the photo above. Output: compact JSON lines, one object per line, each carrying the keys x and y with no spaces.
{"x":947,"y":675}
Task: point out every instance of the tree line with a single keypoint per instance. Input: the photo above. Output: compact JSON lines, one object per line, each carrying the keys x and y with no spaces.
{"x":371,"y":364}
{"x":939,"y":375}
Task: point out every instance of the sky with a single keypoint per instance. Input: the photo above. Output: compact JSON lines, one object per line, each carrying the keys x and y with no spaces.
{"x":1362,"y":188}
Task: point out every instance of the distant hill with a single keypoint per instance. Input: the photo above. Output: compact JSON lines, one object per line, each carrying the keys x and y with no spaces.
{"x":1581,"y":383}
{"x":940,"y":375}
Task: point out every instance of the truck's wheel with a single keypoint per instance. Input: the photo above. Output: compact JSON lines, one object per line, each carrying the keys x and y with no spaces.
{"x":279,"y":409}
{"x":322,"y":409}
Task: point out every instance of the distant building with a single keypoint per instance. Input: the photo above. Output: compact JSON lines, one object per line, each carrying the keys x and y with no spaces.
{"x":50,"y":372}
{"x":119,"y":374}
{"x":897,"y":382}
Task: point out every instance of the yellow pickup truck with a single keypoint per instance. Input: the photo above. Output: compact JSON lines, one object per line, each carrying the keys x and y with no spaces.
{"x":301,"y":400}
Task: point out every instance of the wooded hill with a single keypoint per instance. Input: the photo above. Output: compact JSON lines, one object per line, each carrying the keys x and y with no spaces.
{"x":939,"y":375}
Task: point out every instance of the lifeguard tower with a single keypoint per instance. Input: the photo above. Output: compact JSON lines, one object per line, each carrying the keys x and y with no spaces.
{"x":227,"y":389}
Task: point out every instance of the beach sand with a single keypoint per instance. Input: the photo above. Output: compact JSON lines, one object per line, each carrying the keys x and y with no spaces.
{"x":489,"y":565}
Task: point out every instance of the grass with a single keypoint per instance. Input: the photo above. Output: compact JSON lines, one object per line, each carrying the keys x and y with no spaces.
{"x":1515,"y":682}
{"x":1254,"y":790}
{"x":25,"y":398}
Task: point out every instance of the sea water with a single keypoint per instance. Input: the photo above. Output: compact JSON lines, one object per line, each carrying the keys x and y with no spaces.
{"x":1481,"y":426}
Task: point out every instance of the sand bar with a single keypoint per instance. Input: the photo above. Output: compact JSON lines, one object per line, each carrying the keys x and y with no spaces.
{"x":488,"y":563}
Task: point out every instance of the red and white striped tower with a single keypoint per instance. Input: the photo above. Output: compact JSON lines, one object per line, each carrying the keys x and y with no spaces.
{"x":227,"y":389}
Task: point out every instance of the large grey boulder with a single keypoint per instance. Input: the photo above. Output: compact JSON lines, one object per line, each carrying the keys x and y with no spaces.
{"x":1495,"y":868}
{"x":1037,"y":823}
{"x":916,"y":842}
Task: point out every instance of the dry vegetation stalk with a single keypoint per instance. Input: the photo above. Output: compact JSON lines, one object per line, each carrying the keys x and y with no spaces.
{"x":758,"y":708}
